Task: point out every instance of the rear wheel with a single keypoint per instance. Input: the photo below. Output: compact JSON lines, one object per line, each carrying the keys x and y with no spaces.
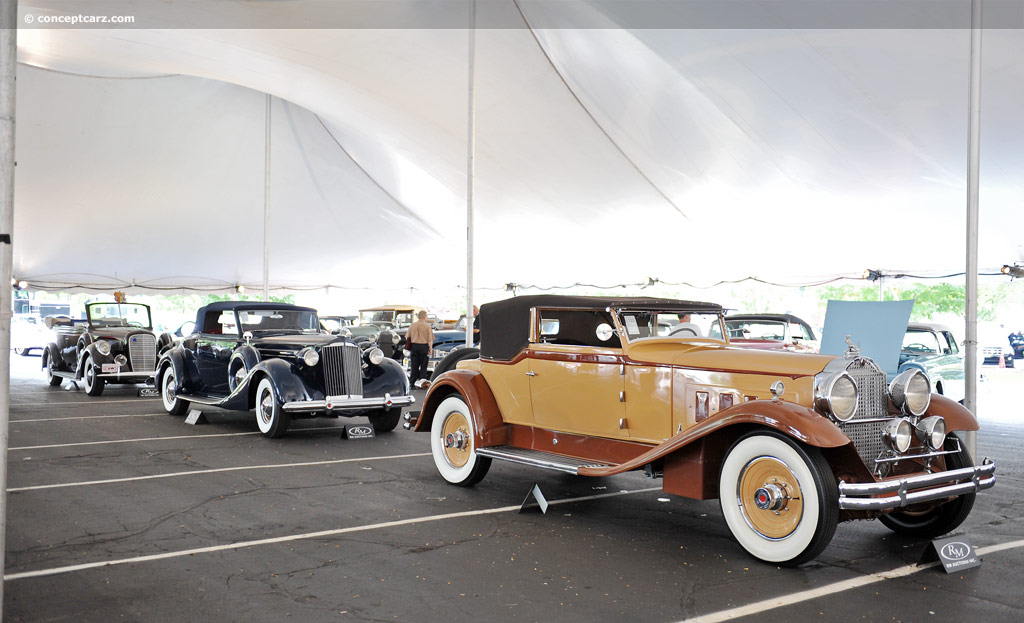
{"x":21,"y":351}
{"x":93,"y":384}
{"x":452,"y":444}
{"x":779,"y":498}
{"x":385,"y":420}
{"x":928,"y":523}
{"x":52,"y":378}
{"x":270,"y":414}
{"x":169,"y":393}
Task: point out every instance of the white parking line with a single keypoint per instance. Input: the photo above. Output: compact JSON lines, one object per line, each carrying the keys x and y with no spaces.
{"x":77,"y":402}
{"x":830,"y":589}
{"x":87,"y":483}
{"x":298,"y":537}
{"x":85,"y":417}
{"x":99,"y":443}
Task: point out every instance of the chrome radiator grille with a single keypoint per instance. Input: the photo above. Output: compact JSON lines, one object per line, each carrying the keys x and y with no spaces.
{"x":867,"y":436}
{"x":343,"y":370}
{"x":142,"y":352}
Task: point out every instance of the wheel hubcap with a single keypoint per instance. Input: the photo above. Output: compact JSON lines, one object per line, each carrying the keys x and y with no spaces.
{"x":267,"y":408}
{"x":455,"y":437}
{"x":769,"y":497}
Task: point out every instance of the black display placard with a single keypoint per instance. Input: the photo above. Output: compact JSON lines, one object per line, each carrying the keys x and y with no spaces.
{"x":955,"y":553}
{"x":359,"y":431}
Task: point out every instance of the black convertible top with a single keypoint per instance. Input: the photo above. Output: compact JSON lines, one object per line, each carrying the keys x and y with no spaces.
{"x":222,"y":306}
{"x":505,"y":325}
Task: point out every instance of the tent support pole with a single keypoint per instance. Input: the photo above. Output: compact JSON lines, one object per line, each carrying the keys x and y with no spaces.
{"x":973,"y":167}
{"x":470,"y":170}
{"x":266,"y":208}
{"x":8,"y":69}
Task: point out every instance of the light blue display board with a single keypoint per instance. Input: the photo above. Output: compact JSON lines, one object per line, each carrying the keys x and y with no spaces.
{"x":877,"y":328}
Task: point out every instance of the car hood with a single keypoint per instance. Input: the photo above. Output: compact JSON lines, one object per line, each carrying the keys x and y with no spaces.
{"x":285,"y":342}
{"x":717,"y":356}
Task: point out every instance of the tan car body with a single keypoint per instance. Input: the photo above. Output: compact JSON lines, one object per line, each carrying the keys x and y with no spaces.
{"x":572,"y":406}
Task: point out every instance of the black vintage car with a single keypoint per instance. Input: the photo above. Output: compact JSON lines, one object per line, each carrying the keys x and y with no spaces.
{"x":114,"y":344}
{"x":275,"y":358}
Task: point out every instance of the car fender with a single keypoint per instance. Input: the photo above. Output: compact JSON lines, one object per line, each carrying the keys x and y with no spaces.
{"x":248,"y":354}
{"x":388,"y":377}
{"x":490,"y":429}
{"x":50,"y":351}
{"x":288,"y":386}
{"x":957,"y":416}
{"x":174,"y":359}
{"x":798,"y":422}
{"x":97,"y":357}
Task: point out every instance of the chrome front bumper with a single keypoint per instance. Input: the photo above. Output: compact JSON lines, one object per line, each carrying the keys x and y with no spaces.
{"x":916,"y":489}
{"x":348,"y":403}
{"x":127,"y":375}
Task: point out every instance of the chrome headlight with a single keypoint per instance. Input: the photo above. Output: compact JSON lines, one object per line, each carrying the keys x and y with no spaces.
{"x":375,"y":356}
{"x":898,"y":433}
{"x":121,"y":360}
{"x":835,"y":395}
{"x":395,"y":339}
{"x":932,"y":431}
{"x":345,"y":332}
{"x":103,"y":347}
{"x":911,"y":391}
{"x":309,"y":356}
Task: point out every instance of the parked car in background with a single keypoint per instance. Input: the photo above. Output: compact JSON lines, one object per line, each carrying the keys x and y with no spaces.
{"x":275,"y":359}
{"x":932,"y":349}
{"x":444,"y":343}
{"x":993,"y":345}
{"x":791,"y":444}
{"x":28,"y":333}
{"x":771,"y":332}
{"x":334,"y":324}
{"x":114,"y":344}
{"x":395,"y":316}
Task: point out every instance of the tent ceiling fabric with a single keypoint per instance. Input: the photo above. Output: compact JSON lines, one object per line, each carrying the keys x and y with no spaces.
{"x":604,"y":155}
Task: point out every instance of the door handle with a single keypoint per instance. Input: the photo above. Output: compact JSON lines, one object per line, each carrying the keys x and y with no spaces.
{"x":531,"y":373}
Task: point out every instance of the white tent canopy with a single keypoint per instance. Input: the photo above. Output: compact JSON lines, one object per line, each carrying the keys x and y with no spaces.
{"x":604,"y":155}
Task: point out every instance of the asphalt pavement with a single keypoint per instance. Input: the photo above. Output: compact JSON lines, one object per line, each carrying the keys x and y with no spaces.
{"x":120,"y":512}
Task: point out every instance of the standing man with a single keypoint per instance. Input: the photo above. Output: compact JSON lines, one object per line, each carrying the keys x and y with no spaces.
{"x":476,"y":324}
{"x":420,"y":338}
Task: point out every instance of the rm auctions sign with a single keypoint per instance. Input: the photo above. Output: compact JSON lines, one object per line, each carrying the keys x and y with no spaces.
{"x":956,"y":553}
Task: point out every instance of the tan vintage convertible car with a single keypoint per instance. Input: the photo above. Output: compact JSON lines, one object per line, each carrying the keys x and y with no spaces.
{"x":790,"y":443}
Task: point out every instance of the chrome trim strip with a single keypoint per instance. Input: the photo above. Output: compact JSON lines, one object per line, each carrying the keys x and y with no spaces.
{"x":127,"y":375}
{"x":344,"y":404}
{"x":853,"y":496}
{"x":536,"y":459}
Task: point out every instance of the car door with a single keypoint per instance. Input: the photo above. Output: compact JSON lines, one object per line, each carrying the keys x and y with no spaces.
{"x":213,"y":352}
{"x":576,"y":381}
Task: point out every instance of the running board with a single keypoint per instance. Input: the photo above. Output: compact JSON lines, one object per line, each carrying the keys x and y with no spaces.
{"x":537,"y":458}
{"x":66,"y":375}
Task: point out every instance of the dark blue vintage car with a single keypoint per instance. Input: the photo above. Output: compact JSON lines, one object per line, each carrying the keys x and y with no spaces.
{"x":275,"y":358}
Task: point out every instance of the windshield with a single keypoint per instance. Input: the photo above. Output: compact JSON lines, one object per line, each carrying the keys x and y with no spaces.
{"x":280,"y":320}
{"x":119,"y":315}
{"x":404,"y":319}
{"x":370,"y":317}
{"x":756,"y":330}
{"x":646,"y":324}
{"x":921,"y":342}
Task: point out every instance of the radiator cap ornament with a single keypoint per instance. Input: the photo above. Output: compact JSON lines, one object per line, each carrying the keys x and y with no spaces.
{"x":852,"y":351}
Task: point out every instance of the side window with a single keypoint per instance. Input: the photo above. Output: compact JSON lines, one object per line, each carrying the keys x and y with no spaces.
{"x":575,"y":328}
{"x":797,"y":331}
{"x":948,"y":341}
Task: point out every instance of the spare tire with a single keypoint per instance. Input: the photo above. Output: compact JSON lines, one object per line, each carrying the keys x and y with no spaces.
{"x":452,"y":358}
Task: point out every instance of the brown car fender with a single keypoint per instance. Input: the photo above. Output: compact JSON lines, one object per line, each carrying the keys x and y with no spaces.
{"x":956,"y":415}
{"x":490,"y":429}
{"x":800,"y":423}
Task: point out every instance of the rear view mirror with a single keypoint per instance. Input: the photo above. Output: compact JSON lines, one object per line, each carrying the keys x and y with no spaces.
{"x":605,"y":332}
{"x":549,"y":327}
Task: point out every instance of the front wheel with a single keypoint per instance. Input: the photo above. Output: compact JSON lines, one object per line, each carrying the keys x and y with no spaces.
{"x":270,"y":414}
{"x":928,"y":523}
{"x":169,"y":387}
{"x":385,"y":420}
{"x":779,"y":498}
{"x":93,"y":384}
{"x":452,"y":444}
{"x":21,"y":351}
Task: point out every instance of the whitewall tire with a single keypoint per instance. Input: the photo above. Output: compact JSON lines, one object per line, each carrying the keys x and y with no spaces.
{"x":779,"y":498}
{"x":169,"y":393}
{"x":271,"y":417}
{"x":453,"y":444}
